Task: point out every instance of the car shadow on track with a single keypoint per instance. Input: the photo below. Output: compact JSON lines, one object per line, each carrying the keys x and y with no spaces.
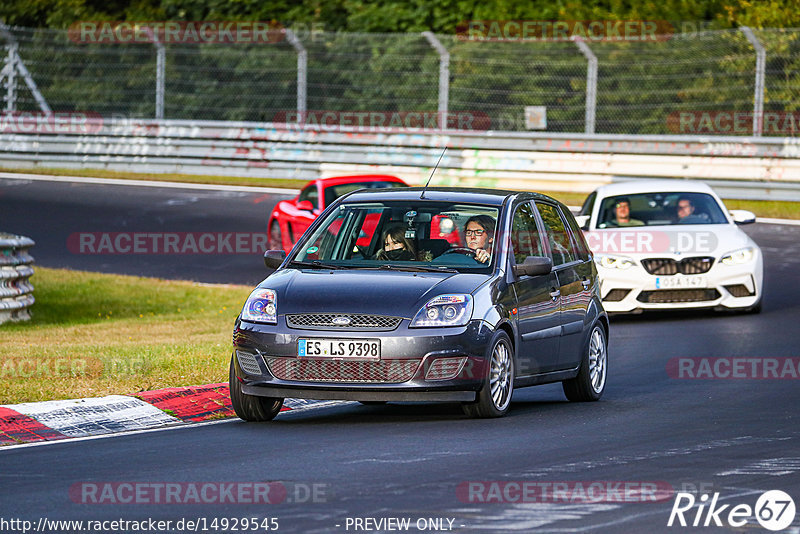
{"x":355,"y":413}
{"x":672,"y":315}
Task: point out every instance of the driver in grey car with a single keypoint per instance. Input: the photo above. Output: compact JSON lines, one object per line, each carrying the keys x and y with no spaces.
{"x":479,"y":233}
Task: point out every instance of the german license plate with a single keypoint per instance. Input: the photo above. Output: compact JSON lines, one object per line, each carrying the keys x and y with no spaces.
{"x":680,"y":282}
{"x":362,"y":349}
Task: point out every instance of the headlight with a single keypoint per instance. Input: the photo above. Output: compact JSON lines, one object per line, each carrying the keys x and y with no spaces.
{"x":261,"y":307}
{"x":444,"y":310}
{"x":737,"y":257}
{"x":614,"y":262}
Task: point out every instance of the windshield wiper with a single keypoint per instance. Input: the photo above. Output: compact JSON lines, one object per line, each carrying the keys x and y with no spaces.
{"x":316,"y":264}
{"x":418,"y":268}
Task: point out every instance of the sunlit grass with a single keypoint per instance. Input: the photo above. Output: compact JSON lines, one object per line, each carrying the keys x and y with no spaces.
{"x":99,"y":334}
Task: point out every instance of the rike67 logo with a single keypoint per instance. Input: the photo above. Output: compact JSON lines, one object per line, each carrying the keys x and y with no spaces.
{"x":774,"y":510}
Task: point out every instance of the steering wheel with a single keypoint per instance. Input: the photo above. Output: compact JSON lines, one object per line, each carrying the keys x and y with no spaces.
{"x":460,"y":250}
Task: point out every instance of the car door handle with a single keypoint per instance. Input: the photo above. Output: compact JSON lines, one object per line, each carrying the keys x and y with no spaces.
{"x":555,"y":293}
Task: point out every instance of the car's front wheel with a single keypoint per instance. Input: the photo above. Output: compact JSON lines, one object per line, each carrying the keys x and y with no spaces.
{"x":494,"y":397}
{"x":249,"y":407}
{"x":591,"y":380}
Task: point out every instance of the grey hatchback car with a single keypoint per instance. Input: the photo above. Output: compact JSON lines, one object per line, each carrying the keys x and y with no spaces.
{"x":438,"y":294}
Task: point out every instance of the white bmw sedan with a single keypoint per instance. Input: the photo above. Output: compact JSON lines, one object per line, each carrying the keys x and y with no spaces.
{"x":664,"y":244}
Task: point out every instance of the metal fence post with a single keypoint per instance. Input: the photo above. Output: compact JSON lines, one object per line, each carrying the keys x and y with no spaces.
{"x":302,"y":72}
{"x":444,"y":77}
{"x":161,"y":60}
{"x":9,"y":73}
{"x":14,"y":64}
{"x":591,"y":84}
{"x":758,"y":98}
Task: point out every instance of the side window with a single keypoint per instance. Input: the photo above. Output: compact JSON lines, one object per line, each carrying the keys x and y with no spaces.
{"x":524,"y":234}
{"x":588,"y":204}
{"x":557,"y":235}
{"x":580,"y":248}
{"x":310,"y":193}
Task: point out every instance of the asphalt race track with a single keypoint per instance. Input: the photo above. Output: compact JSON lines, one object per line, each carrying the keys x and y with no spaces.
{"x":51,"y":212}
{"x":737,"y":437}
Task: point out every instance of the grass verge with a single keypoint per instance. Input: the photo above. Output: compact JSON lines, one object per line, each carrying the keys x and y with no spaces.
{"x":762,"y":208}
{"x":99,"y":334}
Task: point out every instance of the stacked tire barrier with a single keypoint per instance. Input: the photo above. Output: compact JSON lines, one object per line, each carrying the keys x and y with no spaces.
{"x":16,"y":268}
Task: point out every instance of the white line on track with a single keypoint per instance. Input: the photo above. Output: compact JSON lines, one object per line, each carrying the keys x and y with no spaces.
{"x":318,"y":405}
{"x":147,"y":183}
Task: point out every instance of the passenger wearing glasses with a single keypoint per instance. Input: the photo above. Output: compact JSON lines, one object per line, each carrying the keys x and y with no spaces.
{"x":479,"y":232}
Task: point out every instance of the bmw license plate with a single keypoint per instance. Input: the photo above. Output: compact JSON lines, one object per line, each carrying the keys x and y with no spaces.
{"x":362,"y":349}
{"x":681,"y":282}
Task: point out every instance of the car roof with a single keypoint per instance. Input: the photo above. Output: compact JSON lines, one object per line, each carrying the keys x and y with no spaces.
{"x":653,"y":186}
{"x":494,"y":197}
{"x":350,"y":179}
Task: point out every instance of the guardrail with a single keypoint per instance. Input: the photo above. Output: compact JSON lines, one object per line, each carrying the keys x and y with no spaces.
{"x":16,"y":291}
{"x":737,"y":167}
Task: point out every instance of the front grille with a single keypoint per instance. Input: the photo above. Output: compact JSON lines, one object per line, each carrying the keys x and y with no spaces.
{"x":616,"y":295}
{"x":328,"y":321}
{"x":698,"y":265}
{"x":739,"y":290}
{"x":311,"y":370}
{"x":678,"y":295}
{"x":660,"y":266}
{"x":248,"y":363}
{"x":668,"y":266}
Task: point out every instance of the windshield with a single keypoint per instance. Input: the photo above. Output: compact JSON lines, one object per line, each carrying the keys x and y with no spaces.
{"x":659,"y":209}
{"x":407,"y":235}
{"x":332,"y":192}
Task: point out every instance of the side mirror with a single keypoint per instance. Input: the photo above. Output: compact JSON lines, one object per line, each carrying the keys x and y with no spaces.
{"x":583,"y":221}
{"x":274,"y":258}
{"x":305,"y":205}
{"x":743,"y":216}
{"x":534,"y":266}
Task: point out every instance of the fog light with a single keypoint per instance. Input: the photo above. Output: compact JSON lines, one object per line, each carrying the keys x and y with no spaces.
{"x":444,"y":368}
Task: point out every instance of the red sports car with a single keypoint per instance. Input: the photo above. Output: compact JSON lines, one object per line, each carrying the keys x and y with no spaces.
{"x":291,"y":218}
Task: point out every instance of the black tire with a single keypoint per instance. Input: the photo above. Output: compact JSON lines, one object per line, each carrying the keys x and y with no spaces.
{"x":275,"y":237}
{"x":249,"y":407}
{"x":591,"y":380}
{"x":500,"y":375}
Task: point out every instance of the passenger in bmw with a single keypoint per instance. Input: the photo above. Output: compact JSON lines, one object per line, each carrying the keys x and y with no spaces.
{"x":396,"y":246}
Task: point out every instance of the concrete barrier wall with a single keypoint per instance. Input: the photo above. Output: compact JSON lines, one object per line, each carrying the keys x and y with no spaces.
{"x":738,"y":167}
